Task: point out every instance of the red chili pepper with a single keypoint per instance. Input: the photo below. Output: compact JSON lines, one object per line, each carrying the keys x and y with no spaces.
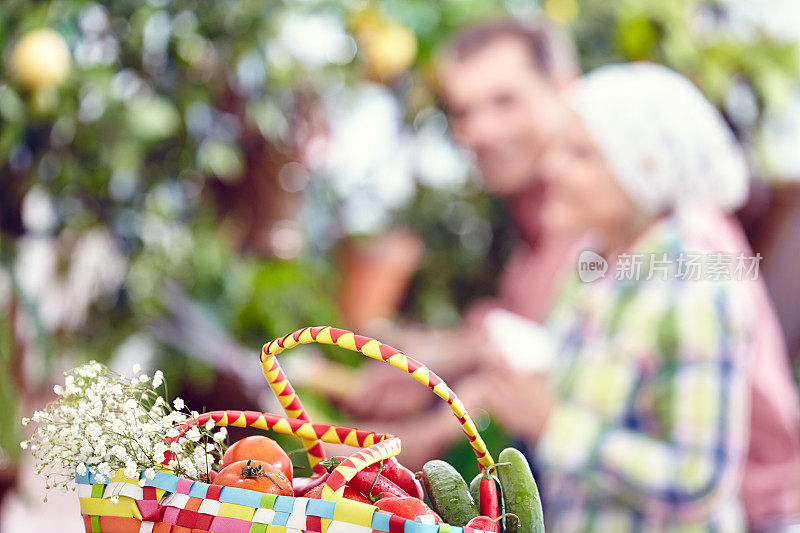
{"x":489,"y":503}
{"x":369,"y":482}
{"x":373,"y":484}
{"x":484,"y":523}
{"x":302,"y":485}
{"x":400,"y":476}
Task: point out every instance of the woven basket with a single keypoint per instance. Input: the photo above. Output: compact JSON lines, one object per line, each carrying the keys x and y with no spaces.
{"x":169,"y":504}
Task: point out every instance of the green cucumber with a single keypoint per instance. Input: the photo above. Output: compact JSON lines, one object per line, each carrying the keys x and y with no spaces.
{"x":474,"y":488}
{"x":520,"y":494}
{"x":448,"y":492}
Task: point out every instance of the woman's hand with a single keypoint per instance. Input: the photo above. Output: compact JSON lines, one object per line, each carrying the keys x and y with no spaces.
{"x":520,"y":402}
{"x":384,"y":392}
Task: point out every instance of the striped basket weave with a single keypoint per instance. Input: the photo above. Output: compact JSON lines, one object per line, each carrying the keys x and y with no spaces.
{"x":170,"y":504}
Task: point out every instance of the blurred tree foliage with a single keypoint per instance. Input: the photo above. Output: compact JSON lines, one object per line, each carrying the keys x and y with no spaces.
{"x":114,"y":172}
{"x":723,"y":46}
{"x":122,"y":177}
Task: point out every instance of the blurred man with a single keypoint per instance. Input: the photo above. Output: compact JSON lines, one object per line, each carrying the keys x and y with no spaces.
{"x":501,"y":83}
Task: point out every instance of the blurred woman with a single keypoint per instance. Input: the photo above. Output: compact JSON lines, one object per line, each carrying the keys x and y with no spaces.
{"x":643,"y":422}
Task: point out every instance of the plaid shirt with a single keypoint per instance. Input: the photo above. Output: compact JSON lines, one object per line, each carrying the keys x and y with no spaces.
{"x":652,"y":429}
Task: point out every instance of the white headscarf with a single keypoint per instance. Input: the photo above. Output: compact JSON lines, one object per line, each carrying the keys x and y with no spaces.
{"x":665,"y":143}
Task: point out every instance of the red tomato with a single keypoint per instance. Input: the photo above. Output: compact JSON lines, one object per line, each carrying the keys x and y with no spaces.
{"x":259,"y":448}
{"x":349,"y":492}
{"x":484,"y":523}
{"x":407,"y":507}
{"x":255,"y":475}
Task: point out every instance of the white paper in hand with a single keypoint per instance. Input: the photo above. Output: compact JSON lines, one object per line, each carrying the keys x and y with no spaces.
{"x":524,"y":344}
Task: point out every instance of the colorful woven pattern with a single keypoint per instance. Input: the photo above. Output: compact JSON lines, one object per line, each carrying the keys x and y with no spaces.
{"x":375,"y":350}
{"x":169,"y":504}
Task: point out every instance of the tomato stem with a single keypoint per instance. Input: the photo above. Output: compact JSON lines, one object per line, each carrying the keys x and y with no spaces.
{"x":331,"y":463}
{"x":253,"y":472}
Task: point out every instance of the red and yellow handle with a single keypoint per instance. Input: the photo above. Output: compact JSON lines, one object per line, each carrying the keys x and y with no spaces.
{"x":375,"y":350}
{"x":375,"y":446}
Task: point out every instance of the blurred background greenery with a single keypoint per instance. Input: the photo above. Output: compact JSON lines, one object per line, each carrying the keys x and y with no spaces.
{"x":177,"y":174}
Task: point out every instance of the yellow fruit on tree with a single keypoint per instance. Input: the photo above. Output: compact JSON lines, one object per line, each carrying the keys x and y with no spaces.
{"x":366,"y":19}
{"x":41,"y":59}
{"x":389,"y":49}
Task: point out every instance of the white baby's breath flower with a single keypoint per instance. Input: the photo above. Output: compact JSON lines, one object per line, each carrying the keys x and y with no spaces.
{"x":25,"y":421}
{"x":23,"y":445}
{"x":137,"y":368}
{"x":104,"y":469}
{"x":210,"y":424}
{"x":149,"y":473}
{"x":130,"y":470}
{"x":193,"y":434}
{"x":58,"y":389}
{"x":144,"y":378}
{"x":103,"y":422}
{"x":118,"y":451}
{"x":130,"y":405}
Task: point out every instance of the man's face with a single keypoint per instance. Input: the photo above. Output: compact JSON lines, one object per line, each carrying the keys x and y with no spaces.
{"x":503,"y":110}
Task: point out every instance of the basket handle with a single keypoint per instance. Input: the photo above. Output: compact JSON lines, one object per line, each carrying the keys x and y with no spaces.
{"x":375,"y":350}
{"x":293,"y":408}
{"x":376,"y":446}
